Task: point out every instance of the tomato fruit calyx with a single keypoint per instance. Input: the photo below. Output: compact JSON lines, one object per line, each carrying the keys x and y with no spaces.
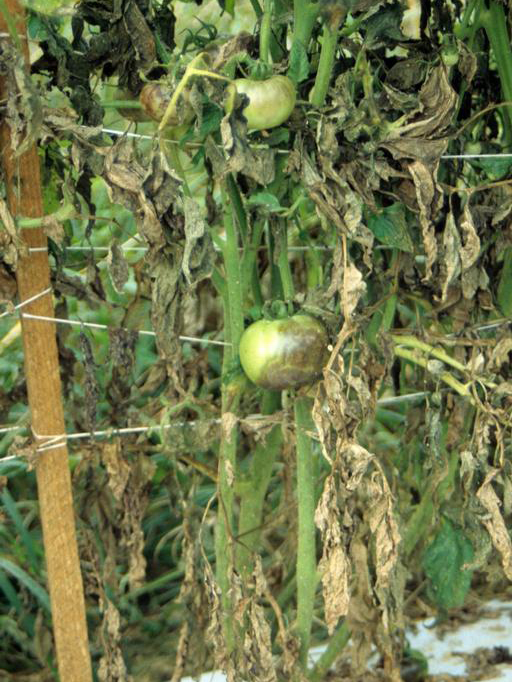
{"x":270,"y":101}
{"x":284,"y":353}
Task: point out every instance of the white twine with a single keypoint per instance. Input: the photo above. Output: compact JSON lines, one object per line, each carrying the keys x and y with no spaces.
{"x":122,"y":133}
{"x":476,"y":156}
{"x":96,"y":325}
{"x":55,"y":441}
{"x":24,"y":303}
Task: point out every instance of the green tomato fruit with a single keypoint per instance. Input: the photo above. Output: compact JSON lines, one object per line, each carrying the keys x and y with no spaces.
{"x":279,"y":354}
{"x":271,"y":101}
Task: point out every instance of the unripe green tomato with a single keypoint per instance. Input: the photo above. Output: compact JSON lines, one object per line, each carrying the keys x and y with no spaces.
{"x":279,"y":354}
{"x":271,"y":101}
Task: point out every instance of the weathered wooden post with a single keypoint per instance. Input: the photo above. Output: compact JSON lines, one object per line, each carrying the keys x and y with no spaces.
{"x":23,"y":182}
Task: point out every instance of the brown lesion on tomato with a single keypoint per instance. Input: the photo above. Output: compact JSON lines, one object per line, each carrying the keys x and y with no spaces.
{"x":302,"y":362}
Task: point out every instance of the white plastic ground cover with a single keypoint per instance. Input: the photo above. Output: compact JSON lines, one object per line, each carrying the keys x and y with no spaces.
{"x":443,"y":650}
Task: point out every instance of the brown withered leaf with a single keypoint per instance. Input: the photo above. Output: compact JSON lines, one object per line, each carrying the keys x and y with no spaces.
{"x":118,"y":469}
{"x":500,"y":353}
{"x":470,"y":240}
{"x":427,"y":151}
{"x":257,"y":164}
{"x":112,"y":667}
{"x":437,"y":102}
{"x":165,"y":302}
{"x":198,"y":252}
{"x":181,"y":652}
{"x":384,"y":527}
{"x":90,"y":383}
{"x":118,"y":268}
{"x":429,"y":200}
{"x":121,"y":350}
{"x":495,"y":523}
{"x":450,"y":265}
{"x":125,"y":178}
{"x":334,"y":565}
{"x":354,"y":287}
{"x":23,"y":109}
{"x":13,"y":247}
{"x":235,"y":45}
{"x":134,"y":502}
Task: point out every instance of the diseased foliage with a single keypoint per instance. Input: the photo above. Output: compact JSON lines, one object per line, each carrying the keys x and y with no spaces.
{"x":354,"y":211}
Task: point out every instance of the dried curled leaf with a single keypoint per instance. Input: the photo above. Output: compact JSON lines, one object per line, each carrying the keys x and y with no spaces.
{"x":495,"y":523}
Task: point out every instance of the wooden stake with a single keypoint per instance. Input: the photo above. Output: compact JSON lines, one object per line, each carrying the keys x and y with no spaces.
{"x":22,"y":177}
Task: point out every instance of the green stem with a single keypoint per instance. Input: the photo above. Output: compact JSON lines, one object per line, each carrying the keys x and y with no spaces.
{"x":420,"y":360}
{"x":238,"y":206}
{"x":233,"y":324}
{"x":494,"y":22}
{"x":306,"y":550}
{"x":336,"y":643}
{"x":305,"y":15}
{"x":413,"y":342}
{"x":254,"y":490}
{"x":324,"y":71}
{"x":257,"y":8}
{"x":174,"y":158}
{"x":419,"y":520}
{"x":266,"y":31}
{"x":233,"y":279}
{"x":283,"y":263}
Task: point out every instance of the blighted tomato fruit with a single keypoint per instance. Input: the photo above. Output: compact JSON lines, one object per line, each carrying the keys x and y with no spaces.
{"x":280,"y":354}
{"x":271,"y":101}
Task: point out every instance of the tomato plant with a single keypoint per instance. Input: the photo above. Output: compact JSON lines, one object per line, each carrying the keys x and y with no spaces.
{"x":279,"y":354}
{"x":271,"y":101}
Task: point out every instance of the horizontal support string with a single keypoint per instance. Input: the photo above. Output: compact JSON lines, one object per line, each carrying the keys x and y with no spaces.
{"x":96,"y":325}
{"x":33,"y":298}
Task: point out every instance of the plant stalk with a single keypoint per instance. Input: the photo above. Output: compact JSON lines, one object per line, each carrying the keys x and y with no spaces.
{"x":233,"y":324}
{"x":494,"y":22}
{"x":326,"y":63}
{"x":306,"y":548}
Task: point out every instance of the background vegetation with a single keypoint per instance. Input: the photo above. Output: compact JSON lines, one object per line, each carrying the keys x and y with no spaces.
{"x":246,"y":525}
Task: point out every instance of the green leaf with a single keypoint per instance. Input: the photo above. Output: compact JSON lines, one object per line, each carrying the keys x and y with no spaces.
{"x":505,"y":284}
{"x":299,"y":63}
{"x":212,"y":116}
{"x":25,"y":579}
{"x":389,"y":227}
{"x":443,"y":561}
{"x":266,"y":200}
{"x":495,"y":169}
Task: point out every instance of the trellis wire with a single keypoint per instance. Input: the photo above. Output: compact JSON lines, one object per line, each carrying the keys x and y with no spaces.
{"x":124,"y":133}
{"x":56,"y":441}
{"x":142,"y":429}
{"x":26,"y":302}
{"x":97,"y":325}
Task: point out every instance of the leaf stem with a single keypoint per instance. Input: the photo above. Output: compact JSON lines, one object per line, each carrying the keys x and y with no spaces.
{"x":336,"y":643}
{"x":448,"y":378}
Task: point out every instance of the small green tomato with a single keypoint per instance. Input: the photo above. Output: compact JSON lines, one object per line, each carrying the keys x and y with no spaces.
{"x":271,"y":101}
{"x":280,"y":354}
